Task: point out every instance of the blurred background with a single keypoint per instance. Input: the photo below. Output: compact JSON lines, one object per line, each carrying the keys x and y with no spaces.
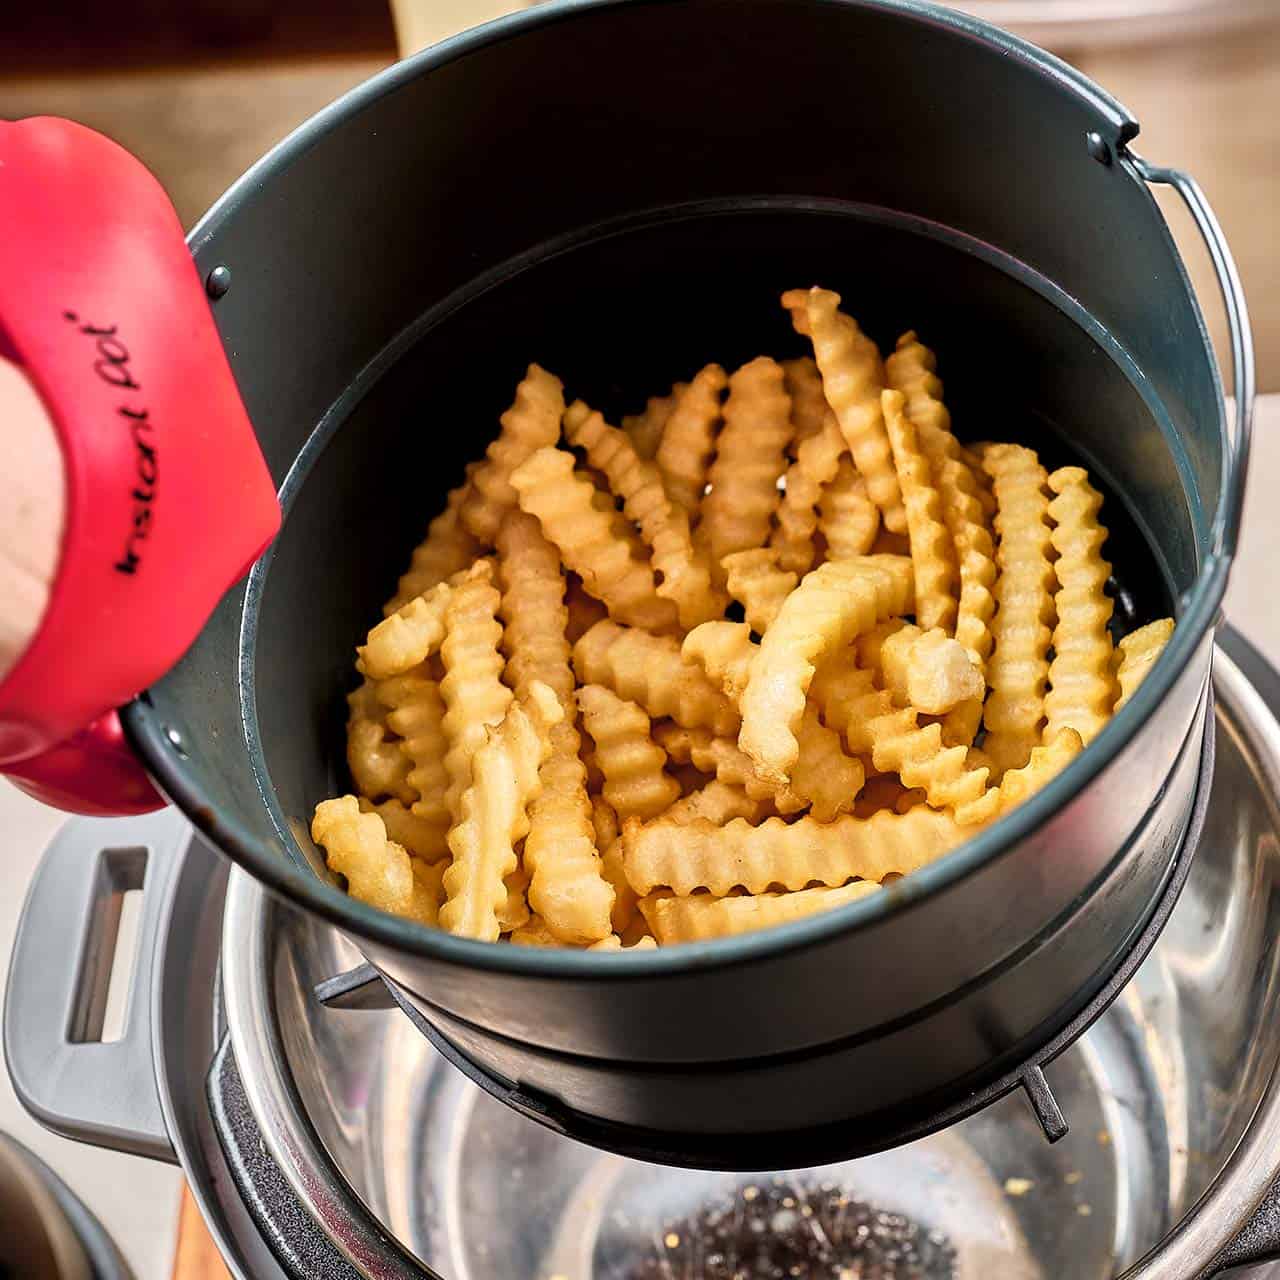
{"x":199,"y":89}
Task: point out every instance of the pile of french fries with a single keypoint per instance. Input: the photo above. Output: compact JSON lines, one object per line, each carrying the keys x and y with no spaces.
{"x":776,"y":640}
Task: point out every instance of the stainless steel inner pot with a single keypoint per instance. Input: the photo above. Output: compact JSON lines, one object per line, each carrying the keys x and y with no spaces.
{"x":620,"y":191}
{"x":338,"y":1143}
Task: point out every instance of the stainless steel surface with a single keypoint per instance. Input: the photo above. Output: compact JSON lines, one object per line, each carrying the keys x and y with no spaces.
{"x":1173,"y":1108}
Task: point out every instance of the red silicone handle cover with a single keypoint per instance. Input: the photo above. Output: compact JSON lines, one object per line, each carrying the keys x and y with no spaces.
{"x":168,"y":498}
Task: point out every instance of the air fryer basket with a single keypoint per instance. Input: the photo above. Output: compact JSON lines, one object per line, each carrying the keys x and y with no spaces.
{"x":620,"y":192}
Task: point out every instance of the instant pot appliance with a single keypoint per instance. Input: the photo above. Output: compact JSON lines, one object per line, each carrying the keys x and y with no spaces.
{"x":606,"y":187}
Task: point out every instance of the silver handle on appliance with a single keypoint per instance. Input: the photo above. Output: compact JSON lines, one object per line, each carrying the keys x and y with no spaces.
{"x":1226,"y":524}
{"x":70,"y":1080}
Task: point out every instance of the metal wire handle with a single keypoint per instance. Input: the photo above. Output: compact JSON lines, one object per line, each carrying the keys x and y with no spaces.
{"x":1226,"y":522}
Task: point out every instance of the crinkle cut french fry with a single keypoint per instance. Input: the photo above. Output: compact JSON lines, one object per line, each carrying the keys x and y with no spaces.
{"x":725,"y":651}
{"x":646,"y":429}
{"x":898,"y":743}
{"x":701,"y":855}
{"x":533,"y":609}
{"x":378,"y":766}
{"x":635,"y":781}
{"x":869,"y":648}
{"x":534,"y":933}
{"x":718,"y":802}
{"x":757,"y":581}
{"x":407,"y":637}
{"x":563,"y":502}
{"x":932,"y":551}
{"x":689,"y":439}
{"x":676,"y":920}
{"x":1019,"y":665}
{"x":1138,"y":653}
{"x":684,"y":575}
{"x":725,"y":760}
{"x":415,"y":710}
{"x":750,"y":459}
{"x":566,"y":887}
{"x":378,"y":871}
{"x":650,"y":670}
{"x":504,"y":780}
{"x":825,"y":613}
{"x":823,"y":774}
{"x":809,"y":406}
{"x":609,"y":843}
{"x":852,"y":380}
{"x":614,"y":943}
{"x":447,"y":549}
{"x":850,"y":520}
{"x":428,"y":891}
{"x":1081,"y":684}
{"x":816,"y":465}
{"x":929,"y":671}
{"x":532,"y":423}
{"x":513,"y":912}
{"x":1018,"y":785}
{"x":422,"y":838}
{"x":881,"y":793}
{"x":475,"y":698}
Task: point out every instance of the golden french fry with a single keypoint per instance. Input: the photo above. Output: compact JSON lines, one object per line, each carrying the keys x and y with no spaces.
{"x":534,"y":933}
{"x":726,"y":761}
{"x":650,"y":670}
{"x":976,"y":553}
{"x":532,"y":423}
{"x":475,"y":698}
{"x":809,"y":406}
{"x":407,"y":637}
{"x":684,"y":575}
{"x":635,"y":782}
{"x":850,"y":520}
{"x":823,"y":774}
{"x":852,"y":379}
{"x":932,"y":551}
{"x":447,"y":549}
{"x":567,"y":887}
{"x":415,"y":711}
{"x":1018,"y":784}
{"x":421,"y":837}
{"x":725,"y":651}
{"x":718,"y":802}
{"x":614,"y":943}
{"x":676,"y":920}
{"x":701,"y":855}
{"x":513,"y":912}
{"x":378,"y":871}
{"x":757,"y":581}
{"x":929,"y":671}
{"x":826,"y":612}
{"x":816,"y":465}
{"x":504,"y":780}
{"x":1081,"y":684}
{"x":563,"y":502}
{"x":428,"y":891}
{"x":1019,"y":665}
{"x":646,"y":429}
{"x":533,"y":609}
{"x":868,"y":648}
{"x":609,"y":843}
{"x":689,"y":439}
{"x":750,"y":459}
{"x":378,"y":766}
{"x":1138,"y":653}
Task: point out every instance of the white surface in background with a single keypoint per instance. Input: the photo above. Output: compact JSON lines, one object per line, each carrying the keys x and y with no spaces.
{"x":137,"y":1200}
